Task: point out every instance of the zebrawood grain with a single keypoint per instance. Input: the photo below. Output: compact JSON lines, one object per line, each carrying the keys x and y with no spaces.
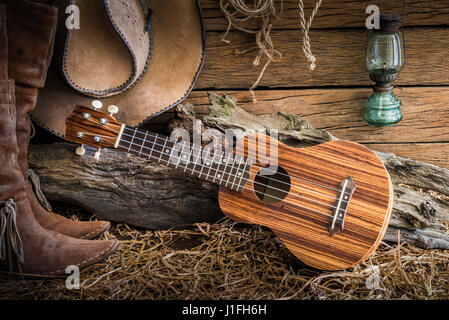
{"x":306,"y":232}
{"x":91,"y":127}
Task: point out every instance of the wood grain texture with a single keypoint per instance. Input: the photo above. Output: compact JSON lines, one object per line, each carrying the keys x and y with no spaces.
{"x":340,"y":60}
{"x":340,"y":111}
{"x":306,"y":232}
{"x":433,"y":153}
{"x":91,"y":128}
{"x":339,"y":13}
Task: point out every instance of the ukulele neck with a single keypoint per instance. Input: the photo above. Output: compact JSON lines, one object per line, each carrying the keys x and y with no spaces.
{"x":227,"y":170}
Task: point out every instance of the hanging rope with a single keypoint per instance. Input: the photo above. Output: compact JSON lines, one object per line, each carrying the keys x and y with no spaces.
{"x":238,"y":12}
{"x":305,"y":27}
{"x":10,"y":241}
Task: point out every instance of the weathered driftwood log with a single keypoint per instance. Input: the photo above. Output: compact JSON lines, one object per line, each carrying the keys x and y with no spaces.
{"x":130,"y":189}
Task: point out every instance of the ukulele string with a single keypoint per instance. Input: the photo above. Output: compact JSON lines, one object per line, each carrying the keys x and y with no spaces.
{"x":272,"y":171}
{"x":281,"y":174}
{"x":235,"y":176}
{"x":274,"y":180}
{"x":271,"y":196}
{"x":264,"y":168}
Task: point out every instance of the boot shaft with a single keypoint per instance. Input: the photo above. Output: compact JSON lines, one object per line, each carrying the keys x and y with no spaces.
{"x":3,"y":44}
{"x":30,"y":28}
{"x":25,"y":101}
{"x":11,"y":180}
{"x":31,"y":31}
{"x":8,"y":141}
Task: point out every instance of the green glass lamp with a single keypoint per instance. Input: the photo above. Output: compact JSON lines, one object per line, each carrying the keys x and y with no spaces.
{"x":385,"y":58}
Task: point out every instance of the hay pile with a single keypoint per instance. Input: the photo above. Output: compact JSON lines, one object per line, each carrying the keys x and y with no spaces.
{"x":234,"y":261}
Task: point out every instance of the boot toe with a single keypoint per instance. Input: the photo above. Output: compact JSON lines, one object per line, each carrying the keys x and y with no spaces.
{"x":74,"y":252}
{"x":95,"y":229}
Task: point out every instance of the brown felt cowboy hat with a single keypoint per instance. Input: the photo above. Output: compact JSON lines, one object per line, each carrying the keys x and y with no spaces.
{"x":143,"y":56}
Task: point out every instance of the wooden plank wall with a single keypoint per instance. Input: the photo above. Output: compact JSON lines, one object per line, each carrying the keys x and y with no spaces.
{"x":333,"y":96}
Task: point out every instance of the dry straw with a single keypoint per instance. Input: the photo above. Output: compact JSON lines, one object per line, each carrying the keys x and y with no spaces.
{"x":227,"y":260}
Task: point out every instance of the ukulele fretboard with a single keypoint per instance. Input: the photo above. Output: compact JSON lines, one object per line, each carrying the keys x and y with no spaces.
{"x":227,"y":170}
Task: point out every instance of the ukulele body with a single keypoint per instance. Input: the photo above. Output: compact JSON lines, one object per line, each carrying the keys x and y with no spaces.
{"x":301,"y":216}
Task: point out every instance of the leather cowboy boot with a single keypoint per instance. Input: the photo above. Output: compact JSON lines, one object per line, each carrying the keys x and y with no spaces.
{"x":25,"y":246}
{"x":31,"y":31}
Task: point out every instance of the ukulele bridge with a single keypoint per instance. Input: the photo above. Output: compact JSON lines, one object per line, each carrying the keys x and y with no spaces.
{"x":337,"y":222}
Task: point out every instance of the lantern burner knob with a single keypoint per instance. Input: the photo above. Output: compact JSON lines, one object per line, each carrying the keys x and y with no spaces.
{"x":389,"y":22}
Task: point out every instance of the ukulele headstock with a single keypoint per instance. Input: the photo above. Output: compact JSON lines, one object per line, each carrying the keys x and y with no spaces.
{"x":93,"y":128}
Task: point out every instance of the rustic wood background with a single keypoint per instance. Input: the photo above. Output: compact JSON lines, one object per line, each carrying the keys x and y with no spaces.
{"x":332,"y":97}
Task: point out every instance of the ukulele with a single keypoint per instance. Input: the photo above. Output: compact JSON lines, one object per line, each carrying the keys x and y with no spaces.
{"x":330,"y":204}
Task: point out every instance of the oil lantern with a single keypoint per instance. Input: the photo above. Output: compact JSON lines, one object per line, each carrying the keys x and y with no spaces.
{"x":385,"y":58}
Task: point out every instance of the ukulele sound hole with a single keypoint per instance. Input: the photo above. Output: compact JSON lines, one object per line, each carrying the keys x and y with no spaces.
{"x":272,"y":188}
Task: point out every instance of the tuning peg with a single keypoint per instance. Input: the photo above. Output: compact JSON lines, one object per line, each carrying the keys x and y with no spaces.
{"x":97,"y":104}
{"x":80,"y":151}
{"x":112,"y":110}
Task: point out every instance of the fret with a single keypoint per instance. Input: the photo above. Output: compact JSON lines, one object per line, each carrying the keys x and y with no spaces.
{"x":236,"y":172}
{"x":198,"y":157}
{"x":225,"y":171}
{"x":201,"y":171}
{"x":210,"y":164}
{"x":163,"y":150}
{"x":228,"y":171}
{"x":178,"y":157}
{"x":152,"y":146}
{"x":194,"y":165}
{"x":132,"y":140}
{"x":143,"y":143}
{"x":242,"y":173}
{"x":138,"y":145}
{"x":149,"y":147}
{"x":188,"y":157}
{"x":159,"y":145}
{"x":187,"y":154}
{"x":220,"y":171}
{"x":167,"y":151}
{"x":171,"y":154}
{"x":125,"y":144}
{"x":230,"y":176}
{"x":246,"y":175}
{"x":182,"y":155}
{"x":217,"y":170}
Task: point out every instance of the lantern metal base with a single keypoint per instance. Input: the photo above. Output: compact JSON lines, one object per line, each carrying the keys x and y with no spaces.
{"x":383,"y":107}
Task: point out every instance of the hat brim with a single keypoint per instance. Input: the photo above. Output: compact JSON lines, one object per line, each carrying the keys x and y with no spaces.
{"x":177,"y":59}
